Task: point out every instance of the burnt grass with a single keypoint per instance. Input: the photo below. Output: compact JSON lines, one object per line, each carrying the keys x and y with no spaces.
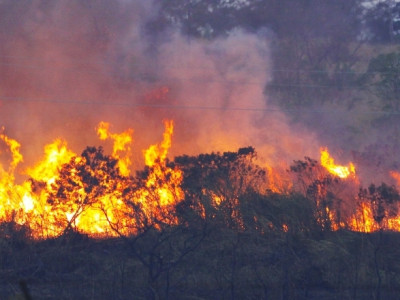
{"x":225,"y":264}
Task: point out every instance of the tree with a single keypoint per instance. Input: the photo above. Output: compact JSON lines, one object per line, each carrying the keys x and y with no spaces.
{"x":199,"y":19}
{"x":214,"y":183}
{"x":383,"y":76}
{"x":314,"y":44}
{"x":324,"y":191}
{"x":160,"y":235}
{"x":81,"y":183}
{"x":384,"y":200}
{"x":380,"y":22}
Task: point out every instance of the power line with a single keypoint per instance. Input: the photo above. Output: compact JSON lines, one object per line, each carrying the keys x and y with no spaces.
{"x":202,"y":79}
{"x":184,"y":107}
{"x":180,"y":66}
{"x":189,"y":67}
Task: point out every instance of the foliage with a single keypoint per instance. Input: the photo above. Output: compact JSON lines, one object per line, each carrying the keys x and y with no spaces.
{"x":380,"y":21}
{"x":383,"y":75}
{"x":213,"y":183}
{"x":314,"y":50}
{"x":384,"y":200}
{"x":323,"y":191}
{"x":83,"y":181}
{"x":231,"y":238}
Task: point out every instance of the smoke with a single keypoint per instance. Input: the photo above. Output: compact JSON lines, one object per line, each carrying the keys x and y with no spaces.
{"x":67,"y":65}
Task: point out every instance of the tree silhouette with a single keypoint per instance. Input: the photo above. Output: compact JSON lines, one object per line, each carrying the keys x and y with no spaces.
{"x":82,"y":182}
{"x":384,"y":201}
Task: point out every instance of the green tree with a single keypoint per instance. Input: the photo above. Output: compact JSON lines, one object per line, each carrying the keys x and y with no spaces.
{"x":380,"y":19}
{"x":383,"y":78}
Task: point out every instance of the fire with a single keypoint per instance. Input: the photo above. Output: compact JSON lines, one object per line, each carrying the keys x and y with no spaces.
{"x":56,"y":154}
{"x":277,"y":181}
{"x":159,"y":152}
{"x":95,"y":193}
{"x":162,"y":189}
{"x":329,"y":163}
{"x":396,"y":176}
{"x":92,"y":193}
{"x":14,"y":147}
{"x":122,"y":144}
{"x":363,"y":220}
{"x":10,"y":193}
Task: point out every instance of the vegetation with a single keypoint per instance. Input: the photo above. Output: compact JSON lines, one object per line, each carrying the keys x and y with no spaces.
{"x":234,"y":239}
{"x":232,"y":236}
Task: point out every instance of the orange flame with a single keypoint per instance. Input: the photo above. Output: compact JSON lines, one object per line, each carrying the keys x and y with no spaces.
{"x":122,"y":144}
{"x":57,"y":197}
{"x":277,"y":181}
{"x":14,"y":147}
{"x":165,"y":180}
{"x":396,"y":176}
{"x":56,"y":154}
{"x":96,"y":195}
{"x":329,"y":163}
{"x":159,"y":152}
{"x":363,"y":220}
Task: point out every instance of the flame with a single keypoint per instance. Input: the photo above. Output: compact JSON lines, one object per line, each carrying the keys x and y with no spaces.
{"x":277,"y":181}
{"x":329,"y":163}
{"x":162,"y":189}
{"x":158,"y":152}
{"x":9,"y":192}
{"x":217,"y":200}
{"x":396,"y":176}
{"x":14,"y":147}
{"x":122,"y":144}
{"x":363,"y":220}
{"x":56,"y":154}
{"x":57,"y":196}
{"x":22,"y":203}
{"x":95,"y":194}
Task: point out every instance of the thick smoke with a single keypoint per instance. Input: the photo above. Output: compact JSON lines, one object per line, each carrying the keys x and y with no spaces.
{"x":67,"y":65}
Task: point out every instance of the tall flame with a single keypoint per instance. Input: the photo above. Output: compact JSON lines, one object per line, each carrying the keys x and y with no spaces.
{"x":122,"y":144}
{"x":159,"y":151}
{"x":164,"y":180}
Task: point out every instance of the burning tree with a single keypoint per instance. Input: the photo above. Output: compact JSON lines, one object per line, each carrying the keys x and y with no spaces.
{"x":329,"y":187}
{"x":214,"y":183}
{"x":383,"y":202}
{"x":96,"y":194}
{"x":86,"y":187}
{"x":164,"y":213}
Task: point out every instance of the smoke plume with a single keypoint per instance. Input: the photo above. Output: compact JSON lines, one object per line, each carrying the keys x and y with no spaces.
{"x":67,"y":65}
